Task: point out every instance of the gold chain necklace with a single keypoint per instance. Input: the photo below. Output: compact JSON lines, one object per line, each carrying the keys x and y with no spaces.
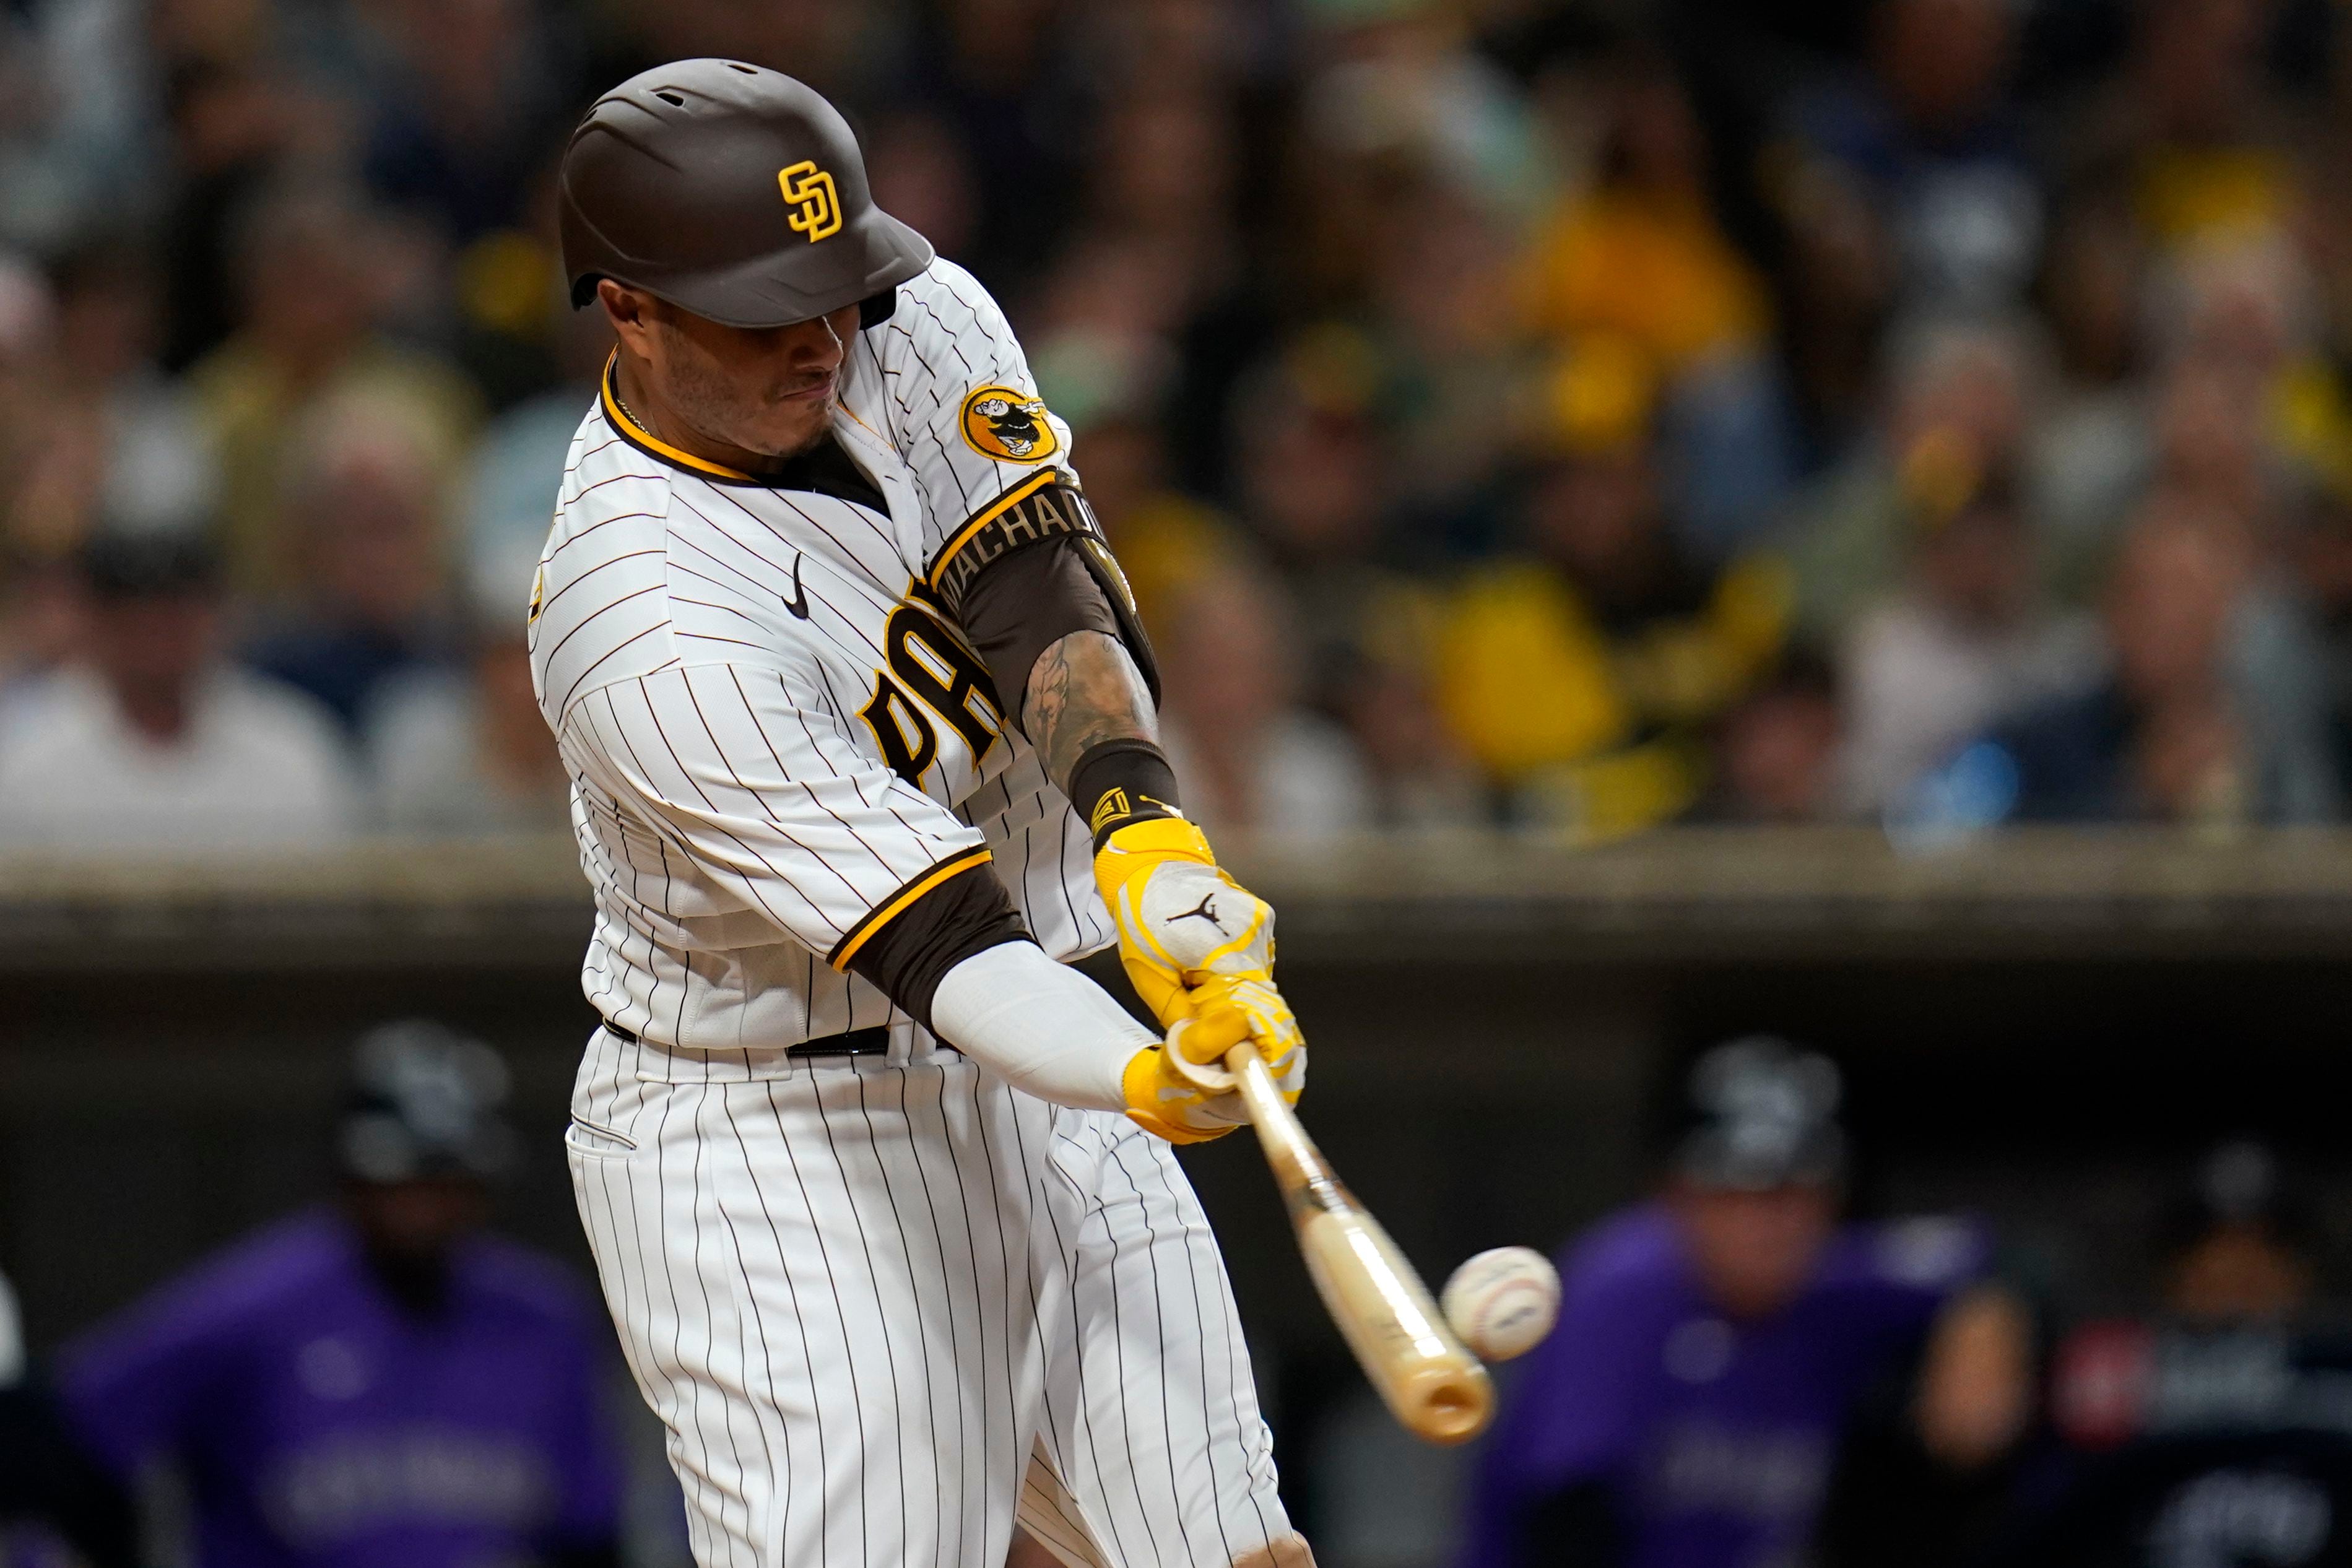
{"x":627,"y":411}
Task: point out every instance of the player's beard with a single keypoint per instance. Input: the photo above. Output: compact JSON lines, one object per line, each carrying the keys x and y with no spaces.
{"x":719,"y":411}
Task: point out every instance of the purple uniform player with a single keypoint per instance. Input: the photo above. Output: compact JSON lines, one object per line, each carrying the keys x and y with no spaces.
{"x":376,"y":1385}
{"x":1686,"y":1411}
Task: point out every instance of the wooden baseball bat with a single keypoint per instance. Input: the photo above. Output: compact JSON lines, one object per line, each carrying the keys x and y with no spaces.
{"x":1428,"y":1376}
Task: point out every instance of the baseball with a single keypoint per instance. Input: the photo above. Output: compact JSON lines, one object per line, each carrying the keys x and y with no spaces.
{"x":1502,"y":1303}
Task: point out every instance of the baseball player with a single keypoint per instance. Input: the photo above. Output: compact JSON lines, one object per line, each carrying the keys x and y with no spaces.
{"x":860,"y":726}
{"x":373,"y":1385}
{"x":1711,"y":1343}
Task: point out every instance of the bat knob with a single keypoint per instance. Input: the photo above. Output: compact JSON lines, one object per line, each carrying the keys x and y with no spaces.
{"x":1447,"y":1404}
{"x":1212,"y":1077}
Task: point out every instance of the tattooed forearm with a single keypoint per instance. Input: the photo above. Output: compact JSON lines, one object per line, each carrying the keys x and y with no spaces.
{"x":1085,"y":690}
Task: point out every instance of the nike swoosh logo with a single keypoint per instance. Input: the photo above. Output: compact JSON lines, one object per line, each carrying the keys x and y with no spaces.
{"x":798,"y":603}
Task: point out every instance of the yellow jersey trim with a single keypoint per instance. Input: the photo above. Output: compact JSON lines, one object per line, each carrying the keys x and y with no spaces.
{"x":1004,"y":502}
{"x":639,"y":436}
{"x":882,"y":913}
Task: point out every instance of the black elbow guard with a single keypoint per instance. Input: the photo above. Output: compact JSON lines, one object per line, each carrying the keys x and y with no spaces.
{"x":907,"y":943}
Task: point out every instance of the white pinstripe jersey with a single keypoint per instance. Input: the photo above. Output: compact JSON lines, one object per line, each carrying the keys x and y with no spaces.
{"x":733,"y":790}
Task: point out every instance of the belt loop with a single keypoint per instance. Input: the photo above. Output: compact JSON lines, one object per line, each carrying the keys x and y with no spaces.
{"x":928,"y":1050}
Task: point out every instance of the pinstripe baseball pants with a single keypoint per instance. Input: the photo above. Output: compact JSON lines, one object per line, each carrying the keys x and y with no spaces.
{"x":882,"y":1306}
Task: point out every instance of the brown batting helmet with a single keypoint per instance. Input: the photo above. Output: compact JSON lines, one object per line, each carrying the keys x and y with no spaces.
{"x":729,"y":191}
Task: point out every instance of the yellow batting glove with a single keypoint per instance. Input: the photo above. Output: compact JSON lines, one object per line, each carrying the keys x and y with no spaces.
{"x":1266,"y":1018}
{"x":1168,"y":1103}
{"x":1182,"y":1091}
{"x":1180,"y":918}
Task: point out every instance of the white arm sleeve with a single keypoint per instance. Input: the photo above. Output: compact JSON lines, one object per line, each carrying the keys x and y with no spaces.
{"x":1047,"y":1029}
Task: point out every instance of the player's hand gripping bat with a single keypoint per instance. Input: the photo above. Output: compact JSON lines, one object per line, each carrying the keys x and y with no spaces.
{"x":1429,"y":1378}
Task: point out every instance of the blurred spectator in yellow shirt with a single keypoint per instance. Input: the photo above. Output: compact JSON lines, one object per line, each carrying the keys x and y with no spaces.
{"x":1638,"y":262}
{"x":2208,"y":153}
{"x":1580,"y":674}
{"x":309,"y":334}
{"x":1640,"y":254}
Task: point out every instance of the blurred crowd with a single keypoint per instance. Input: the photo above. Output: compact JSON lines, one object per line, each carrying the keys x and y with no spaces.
{"x":1932,"y":412}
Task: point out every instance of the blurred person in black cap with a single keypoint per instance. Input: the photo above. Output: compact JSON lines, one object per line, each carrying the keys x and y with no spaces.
{"x":2215,"y":1432}
{"x":2239,"y":1240}
{"x":1684,"y":1411}
{"x":375,"y":1382}
{"x":151,"y":740}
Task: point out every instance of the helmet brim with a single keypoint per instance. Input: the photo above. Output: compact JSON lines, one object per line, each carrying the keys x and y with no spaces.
{"x":877,"y":253}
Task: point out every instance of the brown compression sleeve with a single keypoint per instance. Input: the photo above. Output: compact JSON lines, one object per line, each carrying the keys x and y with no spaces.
{"x":910,"y":951}
{"x":1027,"y":570}
{"x":1025,"y":603}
